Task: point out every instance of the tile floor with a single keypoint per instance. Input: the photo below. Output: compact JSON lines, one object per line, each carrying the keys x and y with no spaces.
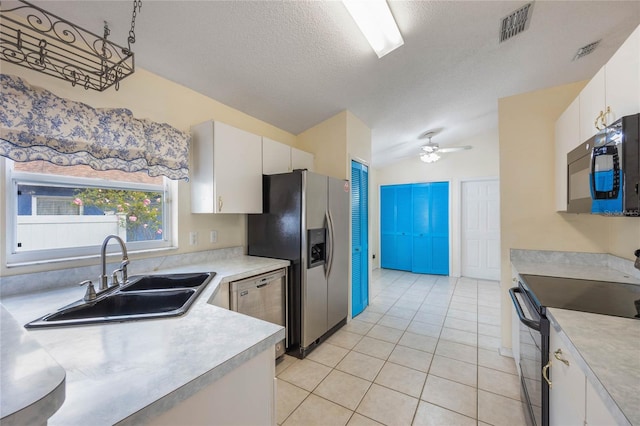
{"x":425,"y":352}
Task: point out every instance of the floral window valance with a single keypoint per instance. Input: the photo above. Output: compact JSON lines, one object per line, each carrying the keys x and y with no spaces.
{"x":35,"y":124}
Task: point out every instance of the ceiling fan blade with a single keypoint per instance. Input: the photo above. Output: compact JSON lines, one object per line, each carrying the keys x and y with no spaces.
{"x":454,"y":149}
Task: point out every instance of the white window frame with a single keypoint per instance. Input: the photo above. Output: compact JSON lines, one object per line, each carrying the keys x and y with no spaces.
{"x":18,"y":258}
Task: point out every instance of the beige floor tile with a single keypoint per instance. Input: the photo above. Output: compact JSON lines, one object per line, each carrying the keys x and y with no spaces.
{"x":367,"y":316}
{"x":431,"y":309}
{"x":459,"y":336}
{"x":361,"y":365}
{"x":374,"y":347}
{"x":285,"y":362}
{"x":418,"y":341}
{"x":493,"y":359}
{"x":489,"y":342}
{"x":432,"y":415}
{"x":388,"y":406}
{"x":328,"y":354}
{"x":424,"y":328}
{"x":493,"y":319}
{"x":358,"y":327}
{"x":499,"y":410}
{"x":344,"y":339}
{"x":489,"y":330}
{"x":430,"y":317}
{"x":452,"y":369}
{"x":467,"y":307}
{"x":399,"y":312}
{"x":360,"y":420}
{"x":412,"y":358}
{"x":316,"y":411}
{"x":460,"y":324}
{"x":457,"y":351}
{"x":394,"y":322}
{"x":495,"y":381}
{"x":306,"y":374}
{"x":409,"y":303}
{"x":402,"y":379}
{"x":388,"y":334}
{"x":451,"y":395}
{"x":288,"y":398}
{"x":343,"y":389}
{"x":460,"y":314}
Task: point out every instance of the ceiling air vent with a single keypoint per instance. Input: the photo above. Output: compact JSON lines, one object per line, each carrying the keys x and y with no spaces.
{"x":515,"y":23}
{"x":585,"y":50}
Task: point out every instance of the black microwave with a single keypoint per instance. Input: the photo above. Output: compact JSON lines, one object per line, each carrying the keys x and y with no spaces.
{"x":603,"y":173}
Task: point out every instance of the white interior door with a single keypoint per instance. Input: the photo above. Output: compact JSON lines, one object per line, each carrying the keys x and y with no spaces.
{"x":481,"y":229}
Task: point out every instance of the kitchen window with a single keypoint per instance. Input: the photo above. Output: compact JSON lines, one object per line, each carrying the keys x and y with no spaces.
{"x":61,"y":213}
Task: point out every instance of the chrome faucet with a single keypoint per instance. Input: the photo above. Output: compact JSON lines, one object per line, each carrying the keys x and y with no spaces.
{"x":104,"y":279}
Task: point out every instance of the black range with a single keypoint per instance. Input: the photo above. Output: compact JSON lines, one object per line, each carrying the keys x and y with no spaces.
{"x":531,"y":298}
{"x":598,"y":297}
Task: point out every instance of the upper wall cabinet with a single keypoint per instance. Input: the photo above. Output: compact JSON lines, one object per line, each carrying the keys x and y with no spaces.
{"x":281,"y":158}
{"x":614,"y":91}
{"x":276,"y":157}
{"x":226,"y":169}
{"x":301,"y":159}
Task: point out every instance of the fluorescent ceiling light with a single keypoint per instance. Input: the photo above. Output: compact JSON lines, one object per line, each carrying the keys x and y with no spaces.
{"x":376,"y":23}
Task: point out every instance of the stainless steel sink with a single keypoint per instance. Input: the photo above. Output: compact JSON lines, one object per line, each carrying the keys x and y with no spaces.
{"x":144,"y":297}
{"x":164,"y":282}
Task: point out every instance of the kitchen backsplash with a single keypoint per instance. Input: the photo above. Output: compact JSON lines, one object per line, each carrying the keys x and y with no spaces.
{"x":39,"y":281}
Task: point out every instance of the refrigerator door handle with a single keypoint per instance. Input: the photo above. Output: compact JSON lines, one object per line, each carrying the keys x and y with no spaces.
{"x":330,"y":240}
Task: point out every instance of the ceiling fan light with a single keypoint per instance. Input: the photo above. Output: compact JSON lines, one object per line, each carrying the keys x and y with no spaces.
{"x":430,"y":157}
{"x":376,"y":22}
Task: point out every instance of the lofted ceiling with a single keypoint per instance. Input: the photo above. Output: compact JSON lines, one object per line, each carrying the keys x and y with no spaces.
{"x":294,"y":64}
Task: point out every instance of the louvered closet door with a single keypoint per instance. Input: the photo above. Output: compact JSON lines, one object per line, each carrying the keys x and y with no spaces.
{"x":414,"y":227}
{"x":359,"y":238}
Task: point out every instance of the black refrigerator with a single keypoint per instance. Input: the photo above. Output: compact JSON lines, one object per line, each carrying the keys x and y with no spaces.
{"x":305,"y":220}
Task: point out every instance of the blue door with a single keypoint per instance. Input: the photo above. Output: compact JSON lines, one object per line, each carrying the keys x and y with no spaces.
{"x":395,"y":227}
{"x":359,"y":238}
{"x":414,"y":227}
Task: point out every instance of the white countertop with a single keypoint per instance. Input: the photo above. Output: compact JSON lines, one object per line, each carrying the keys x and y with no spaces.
{"x":606,"y":347}
{"x":608,"y":351}
{"x":130,"y":372}
{"x":31,"y":382}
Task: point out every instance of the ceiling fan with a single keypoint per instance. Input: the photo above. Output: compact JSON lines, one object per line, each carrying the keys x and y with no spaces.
{"x":430,"y":153}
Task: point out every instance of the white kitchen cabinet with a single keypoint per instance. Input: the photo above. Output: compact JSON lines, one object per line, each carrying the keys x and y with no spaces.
{"x":597,"y":413}
{"x":276,"y":157}
{"x":572,"y":399}
{"x":226,"y":169}
{"x":244,"y":396}
{"x":622,"y":79}
{"x":301,"y":159}
{"x":567,"y":138}
{"x":592,"y":104}
{"x":281,"y":158}
{"x":614,"y":91}
{"x":567,"y":390}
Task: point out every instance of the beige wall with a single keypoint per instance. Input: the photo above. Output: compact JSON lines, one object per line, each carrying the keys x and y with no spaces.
{"x":479,"y":162}
{"x":153,"y":97}
{"x":327,"y":141}
{"x":528,"y":216}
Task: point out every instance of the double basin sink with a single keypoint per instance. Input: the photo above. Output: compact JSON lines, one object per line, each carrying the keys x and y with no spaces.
{"x":142,"y":297}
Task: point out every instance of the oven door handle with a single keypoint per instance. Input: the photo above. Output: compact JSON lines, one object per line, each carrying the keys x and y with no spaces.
{"x":523,"y":319}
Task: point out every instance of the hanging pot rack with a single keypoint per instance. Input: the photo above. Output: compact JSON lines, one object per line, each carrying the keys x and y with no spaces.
{"x":34,"y":38}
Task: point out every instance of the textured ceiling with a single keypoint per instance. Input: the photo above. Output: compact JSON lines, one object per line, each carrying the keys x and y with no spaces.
{"x":296,"y":63}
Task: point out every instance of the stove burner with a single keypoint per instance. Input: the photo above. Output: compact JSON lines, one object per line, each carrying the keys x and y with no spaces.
{"x":599,"y":297}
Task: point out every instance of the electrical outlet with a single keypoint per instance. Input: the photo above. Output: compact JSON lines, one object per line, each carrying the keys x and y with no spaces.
{"x":213,"y":237}
{"x":193,"y":238}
